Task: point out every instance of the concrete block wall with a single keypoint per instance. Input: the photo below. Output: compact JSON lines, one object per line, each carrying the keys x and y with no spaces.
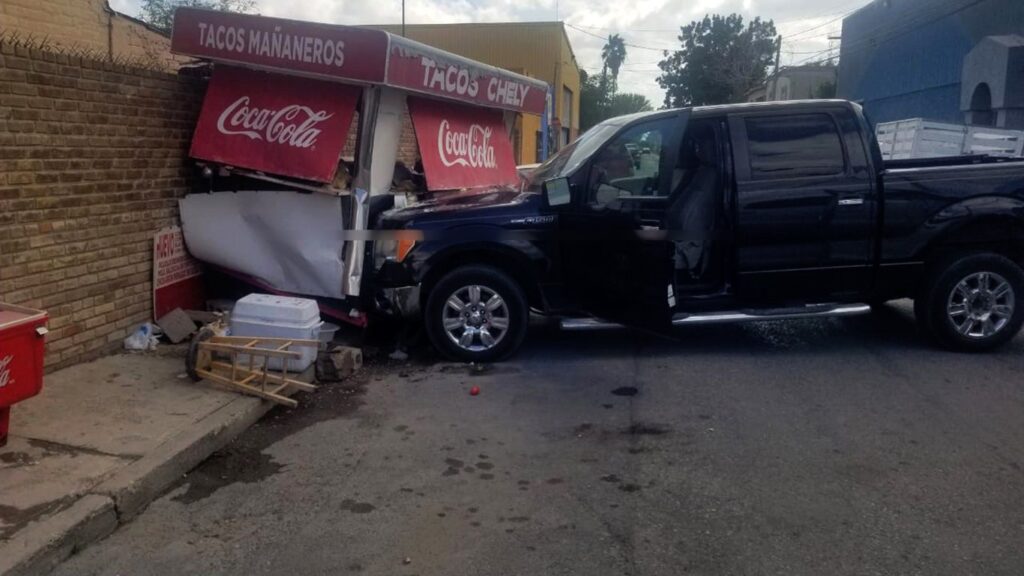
{"x":89,"y":25}
{"x":67,"y":22}
{"x":92,"y":162}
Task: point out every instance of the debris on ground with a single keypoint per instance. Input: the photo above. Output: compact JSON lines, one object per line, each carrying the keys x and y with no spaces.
{"x":399,"y":355}
{"x":144,"y":337}
{"x":339,"y":364}
{"x":177,"y":325}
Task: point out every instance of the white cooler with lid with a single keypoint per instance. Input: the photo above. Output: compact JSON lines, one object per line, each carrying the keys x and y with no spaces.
{"x":269,"y":316}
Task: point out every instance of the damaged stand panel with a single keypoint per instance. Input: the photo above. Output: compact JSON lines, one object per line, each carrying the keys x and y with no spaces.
{"x":285,"y":116}
{"x":249,"y":375}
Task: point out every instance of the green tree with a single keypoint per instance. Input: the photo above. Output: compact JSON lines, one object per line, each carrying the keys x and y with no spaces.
{"x":719,"y":61}
{"x":160,"y":13}
{"x":599,"y":102}
{"x":613,"y":54}
{"x":826,"y":90}
{"x":594,"y":99}
{"x":627,"y":103}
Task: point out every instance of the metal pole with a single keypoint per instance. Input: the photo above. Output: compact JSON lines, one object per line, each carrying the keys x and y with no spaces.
{"x":778,"y":53}
{"x":403,"y":17}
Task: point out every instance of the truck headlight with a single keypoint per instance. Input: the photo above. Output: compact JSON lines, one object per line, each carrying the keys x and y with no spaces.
{"x":396,"y":246}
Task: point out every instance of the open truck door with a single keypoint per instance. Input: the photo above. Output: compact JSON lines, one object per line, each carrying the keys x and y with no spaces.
{"x":616,"y":247}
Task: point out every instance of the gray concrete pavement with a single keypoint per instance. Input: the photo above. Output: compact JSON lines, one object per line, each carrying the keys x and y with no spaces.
{"x":99,"y":443}
{"x":816,"y":447}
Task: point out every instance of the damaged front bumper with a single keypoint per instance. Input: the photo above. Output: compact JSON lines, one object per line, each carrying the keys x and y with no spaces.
{"x":401,"y":301}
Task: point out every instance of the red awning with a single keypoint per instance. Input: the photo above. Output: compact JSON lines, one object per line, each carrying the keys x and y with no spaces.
{"x":462,"y":146}
{"x":254,"y":120}
{"x":350,"y":54}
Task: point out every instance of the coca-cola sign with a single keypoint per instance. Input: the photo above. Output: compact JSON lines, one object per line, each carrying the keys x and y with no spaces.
{"x":469,"y":148}
{"x":291,"y":127}
{"x":462,"y":146}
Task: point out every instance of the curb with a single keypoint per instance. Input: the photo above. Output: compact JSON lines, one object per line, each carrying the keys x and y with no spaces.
{"x":42,"y":545}
{"x":133,"y":487}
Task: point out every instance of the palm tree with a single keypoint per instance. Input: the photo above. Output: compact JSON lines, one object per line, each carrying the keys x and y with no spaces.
{"x":613,"y":54}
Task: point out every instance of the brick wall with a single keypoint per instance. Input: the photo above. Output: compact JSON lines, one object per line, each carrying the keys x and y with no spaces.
{"x":92,"y":162}
{"x":408,"y":149}
{"x":90,"y":25}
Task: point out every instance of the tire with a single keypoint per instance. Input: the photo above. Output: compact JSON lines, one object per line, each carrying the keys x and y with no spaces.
{"x":504,"y":324}
{"x":972,"y":302}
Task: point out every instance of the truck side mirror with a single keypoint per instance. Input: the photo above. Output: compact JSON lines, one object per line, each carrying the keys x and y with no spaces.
{"x":556,"y":191}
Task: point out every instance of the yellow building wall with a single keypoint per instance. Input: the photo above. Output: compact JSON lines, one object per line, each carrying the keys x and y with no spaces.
{"x":529,"y":125}
{"x":537,"y":49}
{"x":570,"y":78}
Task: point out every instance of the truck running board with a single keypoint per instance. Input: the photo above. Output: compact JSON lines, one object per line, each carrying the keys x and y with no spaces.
{"x":810,"y":311}
{"x":758,"y":315}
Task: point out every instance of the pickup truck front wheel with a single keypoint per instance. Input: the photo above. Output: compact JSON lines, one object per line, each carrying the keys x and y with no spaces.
{"x":973,"y":302}
{"x":476,"y":314}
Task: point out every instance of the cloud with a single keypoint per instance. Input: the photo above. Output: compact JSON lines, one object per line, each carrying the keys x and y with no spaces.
{"x":649,"y":25}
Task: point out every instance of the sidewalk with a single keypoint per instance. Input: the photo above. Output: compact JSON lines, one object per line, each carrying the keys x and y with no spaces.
{"x":99,"y":443}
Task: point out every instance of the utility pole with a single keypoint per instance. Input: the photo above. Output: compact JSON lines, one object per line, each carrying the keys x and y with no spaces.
{"x":403,"y":17}
{"x":832,"y":39}
{"x":778,"y":54}
{"x":775,"y":74}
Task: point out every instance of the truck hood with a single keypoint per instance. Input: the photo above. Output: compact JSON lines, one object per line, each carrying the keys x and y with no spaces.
{"x":484,"y":206}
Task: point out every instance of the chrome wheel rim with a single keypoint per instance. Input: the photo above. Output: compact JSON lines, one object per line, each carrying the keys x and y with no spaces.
{"x":980,"y":305}
{"x":475,"y":318}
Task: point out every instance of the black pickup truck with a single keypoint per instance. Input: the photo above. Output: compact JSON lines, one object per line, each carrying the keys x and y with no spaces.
{"x":714,"y":214}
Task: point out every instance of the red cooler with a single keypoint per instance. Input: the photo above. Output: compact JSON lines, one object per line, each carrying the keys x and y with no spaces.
{"x":22,"y":344}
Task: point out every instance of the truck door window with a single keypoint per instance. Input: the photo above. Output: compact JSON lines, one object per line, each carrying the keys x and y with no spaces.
{"x":794,"y":146}
{"x":627,"y":167}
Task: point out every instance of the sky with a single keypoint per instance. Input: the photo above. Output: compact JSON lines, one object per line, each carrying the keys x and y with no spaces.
{"x":647,"y":26}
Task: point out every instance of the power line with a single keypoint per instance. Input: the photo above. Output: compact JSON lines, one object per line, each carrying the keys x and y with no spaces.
{"x":819,"y":26}
{"x":625,"y":29}
{"x":864,"y":43}
{"x":676,"y":29}
{"x":587,"y":32}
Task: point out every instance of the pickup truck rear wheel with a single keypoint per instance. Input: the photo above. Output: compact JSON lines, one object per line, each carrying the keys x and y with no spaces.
{"x":973,"y":302}
{"x":476,"y":314}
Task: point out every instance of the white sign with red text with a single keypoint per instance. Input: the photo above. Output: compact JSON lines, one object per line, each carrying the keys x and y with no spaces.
{"x":420,"y":68}
{"x":177,"y":277}
{"x":280,"y":125}
{"x":462,"y":146}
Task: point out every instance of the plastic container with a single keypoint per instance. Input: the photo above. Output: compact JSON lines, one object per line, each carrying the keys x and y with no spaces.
{"x":327,"y":331}
{"x":269,"y":316}
{"x":22,"y":345}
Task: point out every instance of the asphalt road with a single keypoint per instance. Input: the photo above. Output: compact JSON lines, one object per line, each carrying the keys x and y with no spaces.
{"x":842,"y":446}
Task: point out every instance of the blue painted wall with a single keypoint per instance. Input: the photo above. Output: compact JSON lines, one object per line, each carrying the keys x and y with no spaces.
{"x":903,"y":58}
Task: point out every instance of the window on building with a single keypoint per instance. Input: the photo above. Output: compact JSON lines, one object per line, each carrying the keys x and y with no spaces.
{"x":794,"y":146}
{"x":566,"y":117}
{"x":540,"y":147}
{"x":981,"y":106}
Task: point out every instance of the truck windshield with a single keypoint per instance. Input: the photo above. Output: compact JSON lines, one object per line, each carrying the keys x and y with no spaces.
{"x":566,"y":160}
